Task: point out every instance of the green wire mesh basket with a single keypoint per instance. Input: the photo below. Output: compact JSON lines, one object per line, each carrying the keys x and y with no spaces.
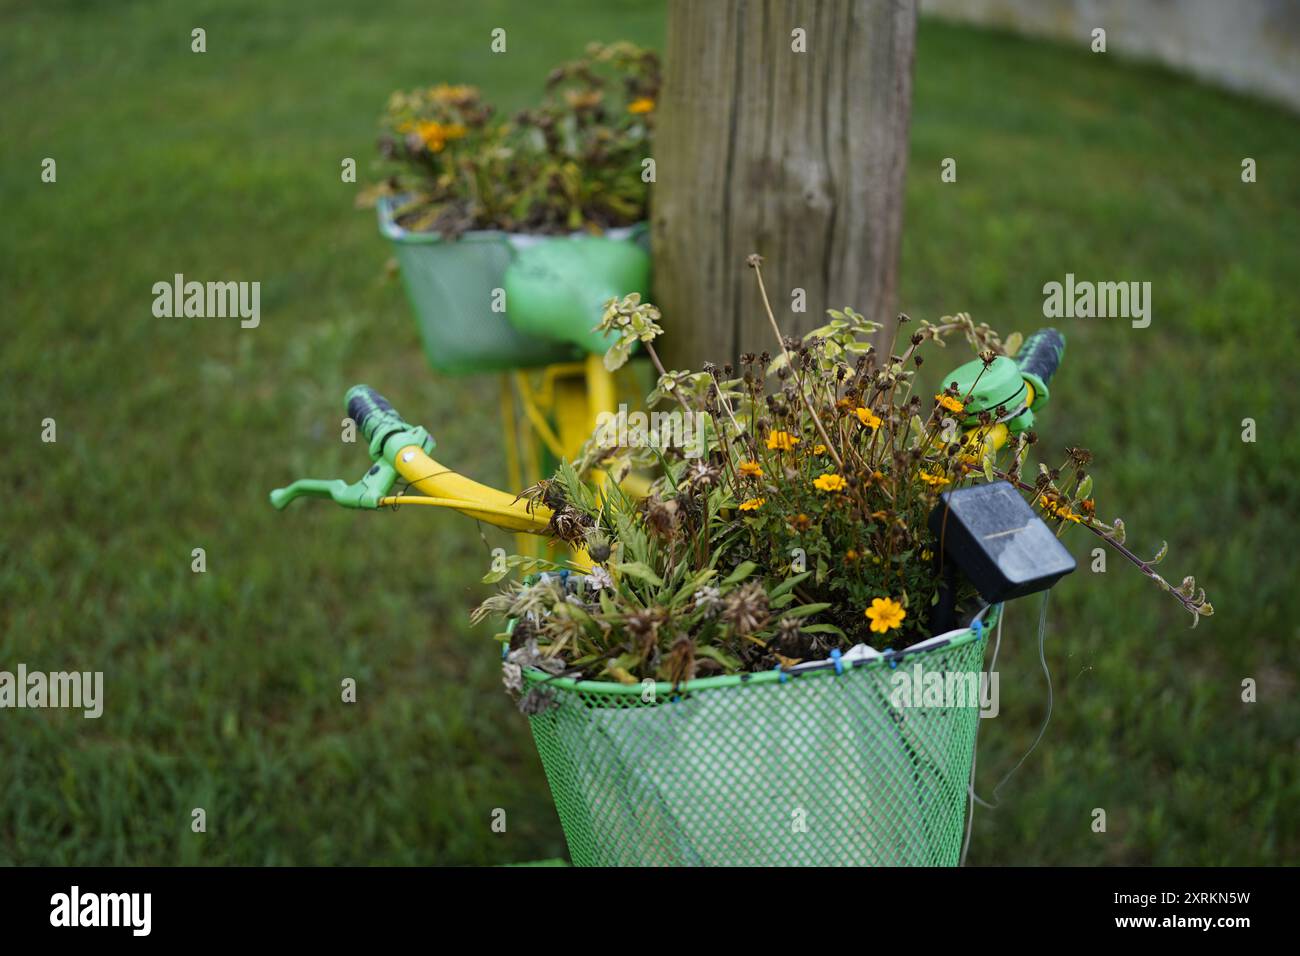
{"x":813,"y":768}
{"x":449,"y":285}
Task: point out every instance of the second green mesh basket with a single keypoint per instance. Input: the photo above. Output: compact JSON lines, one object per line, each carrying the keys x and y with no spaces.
{"x":819,"y":768}
{"x":456,"y":289}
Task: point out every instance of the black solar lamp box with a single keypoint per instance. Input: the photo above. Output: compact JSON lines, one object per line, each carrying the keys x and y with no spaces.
{"x":999,"y":543}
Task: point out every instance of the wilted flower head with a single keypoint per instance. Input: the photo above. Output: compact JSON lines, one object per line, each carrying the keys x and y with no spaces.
{"x":746,"y":608}
{"x":702,"y":474}
{"x":537,"y":701}
{"x":681,"y":660}
{"x":512,"y":675}
{"x":568,"y":524}
{"x":662,"y":517}
{"x":643,"y":626}
{"x":790,"y":639}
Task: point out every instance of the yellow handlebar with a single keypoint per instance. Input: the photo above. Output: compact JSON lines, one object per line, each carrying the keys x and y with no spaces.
{"x":448,"y":489}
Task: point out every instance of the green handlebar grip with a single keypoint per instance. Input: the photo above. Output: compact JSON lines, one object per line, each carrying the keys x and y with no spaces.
{"x":372,"y":412}
{"x":1038,"y":359}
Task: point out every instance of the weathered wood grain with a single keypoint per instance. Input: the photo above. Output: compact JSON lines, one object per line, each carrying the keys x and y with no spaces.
{"x":799,"y":157}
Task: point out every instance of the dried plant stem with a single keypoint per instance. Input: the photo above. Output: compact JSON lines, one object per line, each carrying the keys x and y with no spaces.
{"x":659,"y":366}
{"x":789,"y":361}
{"x":1143,"y":566}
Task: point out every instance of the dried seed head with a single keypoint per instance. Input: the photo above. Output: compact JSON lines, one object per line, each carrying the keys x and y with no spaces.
{"x":568,"y":524}
{"x":662,"y":517}
{"x":746,"y":609}
{"x":790,"y":640}
{"x":702,"y":474}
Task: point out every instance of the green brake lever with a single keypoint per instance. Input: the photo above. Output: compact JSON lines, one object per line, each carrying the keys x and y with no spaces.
{"x":386,"y":433}
{"x":366,"y":493}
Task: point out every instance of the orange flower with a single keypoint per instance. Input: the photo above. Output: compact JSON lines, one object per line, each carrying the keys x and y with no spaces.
{"x":753,"y":504}
{"x":642,"y":104}
{"x":950,"y":403}
{"x":435,"y":135}
{"x":751,"y":469}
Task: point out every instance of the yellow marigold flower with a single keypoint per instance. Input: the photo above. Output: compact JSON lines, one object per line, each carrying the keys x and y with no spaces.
{"x":934,"y":481}
{"x":950,"y":403}
{"x":782,"y":441}
{"x":885,"y":614}
{"x":1065,"y":514}
{"x":753,"y":504}
{"x":868,"y":418}
{"x":642,"y":104}
{"x":819,"y":449}
{"x":435,"y":135}
{"x":830,"y":482}
{"x":751,"y":469}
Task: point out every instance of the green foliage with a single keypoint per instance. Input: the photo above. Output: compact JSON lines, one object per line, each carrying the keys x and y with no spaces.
{"x":572,"y":162}
{"x":632,"y":321}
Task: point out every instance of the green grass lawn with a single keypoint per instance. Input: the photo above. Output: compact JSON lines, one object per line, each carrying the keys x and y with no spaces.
{"x":223,"y":688}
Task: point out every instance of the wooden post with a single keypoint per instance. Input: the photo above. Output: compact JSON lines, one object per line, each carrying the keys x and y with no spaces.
{"x":782,"y":130}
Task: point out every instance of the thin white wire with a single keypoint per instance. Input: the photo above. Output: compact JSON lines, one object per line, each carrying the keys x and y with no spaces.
{"x":970,"y":808}
{"x":1042,"y":659}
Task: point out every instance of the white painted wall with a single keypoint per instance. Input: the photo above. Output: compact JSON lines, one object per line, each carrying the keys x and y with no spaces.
{"x":1247,"y":45}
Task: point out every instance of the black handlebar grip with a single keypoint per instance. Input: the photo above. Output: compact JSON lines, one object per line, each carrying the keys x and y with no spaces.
{"x":1040,"y":356}
{"x":371,"y":411}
